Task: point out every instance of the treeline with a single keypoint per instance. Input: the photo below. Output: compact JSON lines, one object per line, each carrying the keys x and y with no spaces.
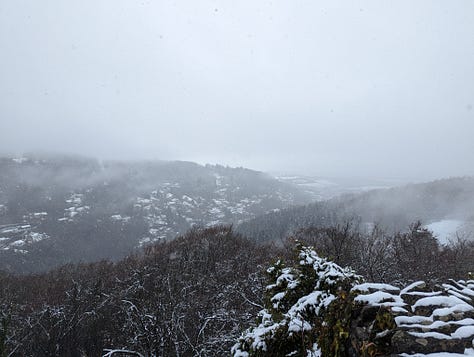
{"x":193,"y":296}
{"x":396,"y":258}
{"x":188,"y":297}
{"x":279,"y":224}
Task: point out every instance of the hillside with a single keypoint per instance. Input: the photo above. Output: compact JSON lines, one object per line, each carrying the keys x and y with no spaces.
{"x":199,"y":294}
{"x":440,"y":204}
{"x":57,"y":210}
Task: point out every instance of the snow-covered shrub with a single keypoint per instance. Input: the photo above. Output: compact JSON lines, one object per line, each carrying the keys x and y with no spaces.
{"x":293,"y":322}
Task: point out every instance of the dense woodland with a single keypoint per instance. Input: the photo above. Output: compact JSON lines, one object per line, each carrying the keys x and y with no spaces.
{"x":195,"y":295}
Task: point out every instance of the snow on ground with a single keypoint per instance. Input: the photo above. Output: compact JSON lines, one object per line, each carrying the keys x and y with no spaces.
{"x":446,"y":229}
{"x":467,"y":352}
{"x":441,"y":313}
{"x":20,"y":160}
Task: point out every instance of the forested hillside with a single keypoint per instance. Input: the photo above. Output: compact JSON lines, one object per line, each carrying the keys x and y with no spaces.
{"x":393,"y":208}
{"x":56,"y":210}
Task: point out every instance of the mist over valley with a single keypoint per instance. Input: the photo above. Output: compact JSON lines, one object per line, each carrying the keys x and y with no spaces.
{"x":246,"y":178}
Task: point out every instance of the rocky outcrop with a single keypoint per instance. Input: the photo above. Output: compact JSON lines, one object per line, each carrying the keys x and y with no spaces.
{"x":316,"y":308}
{"x":417,"y":319}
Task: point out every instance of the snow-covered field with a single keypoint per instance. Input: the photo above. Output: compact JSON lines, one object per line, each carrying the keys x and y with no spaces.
{"x":446,"y":229}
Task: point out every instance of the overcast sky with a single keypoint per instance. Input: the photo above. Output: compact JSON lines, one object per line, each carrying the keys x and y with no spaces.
{"x":359,"y":88}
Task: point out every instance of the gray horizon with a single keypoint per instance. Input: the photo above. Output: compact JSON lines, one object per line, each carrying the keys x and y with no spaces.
{"x":330,"y":88}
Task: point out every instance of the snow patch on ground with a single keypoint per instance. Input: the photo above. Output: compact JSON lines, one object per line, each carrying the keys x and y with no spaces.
{"x":446,"y":229}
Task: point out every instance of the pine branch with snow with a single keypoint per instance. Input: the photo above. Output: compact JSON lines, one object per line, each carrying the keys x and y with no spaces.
{"x":296,"y":302}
